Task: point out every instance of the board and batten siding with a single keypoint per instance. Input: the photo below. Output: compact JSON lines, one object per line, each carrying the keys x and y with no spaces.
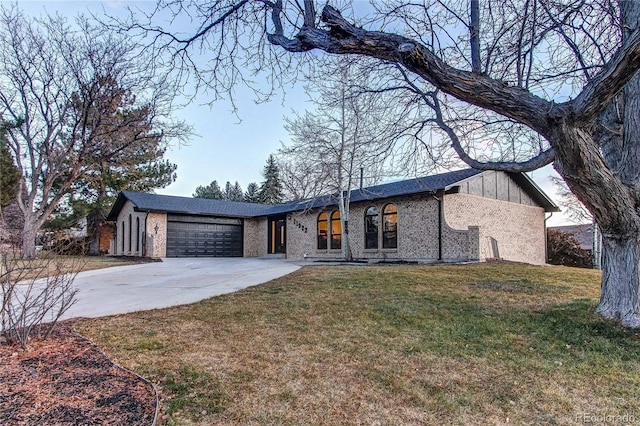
{"x":497,"y":186}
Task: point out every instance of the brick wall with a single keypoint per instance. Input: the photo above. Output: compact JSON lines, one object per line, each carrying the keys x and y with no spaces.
{"x":255,"y":237}
{"x":107,"y":233}
{"x":156,"y":241}
{"x":516,"y":229}
{"x":417,"y":233}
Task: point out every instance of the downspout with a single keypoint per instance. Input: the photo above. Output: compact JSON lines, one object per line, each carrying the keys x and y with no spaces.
{"x":439,"y":200}
{"x":546,"y":238}
{"x":144,"y":235}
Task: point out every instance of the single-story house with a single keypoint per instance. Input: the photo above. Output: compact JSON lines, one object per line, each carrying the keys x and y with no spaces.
{"x":461,"y":215}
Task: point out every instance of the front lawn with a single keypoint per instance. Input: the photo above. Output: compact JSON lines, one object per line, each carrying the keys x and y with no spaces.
{"x":465,"y":344}
{"x":48,"y":264}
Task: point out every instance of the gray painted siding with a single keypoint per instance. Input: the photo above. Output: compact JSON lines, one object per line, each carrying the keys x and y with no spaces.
{"x":496,"y":186}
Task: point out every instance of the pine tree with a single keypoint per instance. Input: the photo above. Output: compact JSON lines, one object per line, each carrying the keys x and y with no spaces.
{"x":9,"y":173}
{"x":211,"y":191}
{"x":228,"y":191}
{"x":252,"y":195}
{"x":128,"y":156}
{"x":271,"y":189}
{"x":236,"y":193}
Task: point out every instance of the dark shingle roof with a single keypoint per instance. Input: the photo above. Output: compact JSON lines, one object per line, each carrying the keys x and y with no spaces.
{"x":202,"y":206}
{"x":387,"y":190}
{"x":186,"y":205}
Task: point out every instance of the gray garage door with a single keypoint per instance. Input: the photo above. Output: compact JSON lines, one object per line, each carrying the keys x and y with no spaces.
{"x":195,"y":236}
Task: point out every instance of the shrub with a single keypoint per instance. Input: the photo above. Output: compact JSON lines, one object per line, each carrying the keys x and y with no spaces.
{"x":35,"y":293}
{"x":564,"y":249}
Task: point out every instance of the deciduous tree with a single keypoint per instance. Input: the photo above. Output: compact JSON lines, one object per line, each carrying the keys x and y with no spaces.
{"x":349,"y":136}
{"x":55,"y":78}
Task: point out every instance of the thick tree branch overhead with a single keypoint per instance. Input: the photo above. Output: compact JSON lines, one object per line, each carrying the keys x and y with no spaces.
{"x":599,"y":92}
{"x":342,"y":37}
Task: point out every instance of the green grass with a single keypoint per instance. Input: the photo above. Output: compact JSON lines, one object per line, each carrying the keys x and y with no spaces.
{"x":48,"y":264}
{"x":474,"y":344}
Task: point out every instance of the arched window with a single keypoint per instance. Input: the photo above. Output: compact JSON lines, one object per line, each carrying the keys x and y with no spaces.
{"x":336,"y":231}
{"x":137,"y":234}
{"x":371,"y":226}
{"x":130,"y":229}
{"x":123,"y":236}
{"x":390,"y":226}
{"x":323,"y":231}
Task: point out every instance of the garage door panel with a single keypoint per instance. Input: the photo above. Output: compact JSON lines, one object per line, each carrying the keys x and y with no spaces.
{"x":193,"y":239}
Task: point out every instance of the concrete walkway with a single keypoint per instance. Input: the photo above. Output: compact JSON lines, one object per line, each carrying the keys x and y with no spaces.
{"x":171,"y":282}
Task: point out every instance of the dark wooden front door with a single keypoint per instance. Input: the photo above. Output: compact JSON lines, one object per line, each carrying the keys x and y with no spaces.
{"x":277,"y":235}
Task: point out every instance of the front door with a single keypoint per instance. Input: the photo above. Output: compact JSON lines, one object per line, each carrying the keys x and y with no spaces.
{"x":277,"y":235}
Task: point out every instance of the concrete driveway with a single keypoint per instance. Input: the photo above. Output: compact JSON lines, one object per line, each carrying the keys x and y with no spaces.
{"x":171,"y":282}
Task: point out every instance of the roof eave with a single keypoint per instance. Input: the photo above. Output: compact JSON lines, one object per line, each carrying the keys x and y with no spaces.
{"x":117,"y":206}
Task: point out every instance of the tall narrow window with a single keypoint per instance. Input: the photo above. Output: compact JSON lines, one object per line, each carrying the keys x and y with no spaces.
{"x":371,"y":225}
{"x":137,"y":234}
{"x":130,"y":229}
{"x":123,"y":236}
{"x":390,"y":226}
{"x":336,"y":231}
{"x":323,"y":230}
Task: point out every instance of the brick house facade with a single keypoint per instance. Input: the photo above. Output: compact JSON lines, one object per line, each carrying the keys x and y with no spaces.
{"x":456,"y":216}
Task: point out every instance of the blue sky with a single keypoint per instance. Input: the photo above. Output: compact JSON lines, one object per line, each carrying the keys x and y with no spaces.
{"x":228,"y":147}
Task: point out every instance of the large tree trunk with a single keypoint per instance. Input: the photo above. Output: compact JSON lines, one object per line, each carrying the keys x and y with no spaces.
{"x":29,"y":234}
{"x":621,"y":280}
{"x":619,"y":298}
{"x":94,"y":229}
{"x":601,"y":165}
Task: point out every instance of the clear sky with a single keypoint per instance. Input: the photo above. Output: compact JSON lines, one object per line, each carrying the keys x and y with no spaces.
{"x":224,"y":147}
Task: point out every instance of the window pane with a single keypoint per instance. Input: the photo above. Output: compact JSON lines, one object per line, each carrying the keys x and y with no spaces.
{"x":336,"y":231}
{"x":390,"y":226}
{"x":390,"y":208}
{"x":323,"y":228}
{"x":371,"y":226}
{"x":137,"y":233}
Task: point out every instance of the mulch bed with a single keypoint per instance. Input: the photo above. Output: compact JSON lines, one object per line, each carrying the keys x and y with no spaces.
{"x":67,"y":380}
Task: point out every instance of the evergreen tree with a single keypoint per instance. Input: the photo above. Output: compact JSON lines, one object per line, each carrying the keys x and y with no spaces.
{"x":233,"y":192}
{"x":9,"y":173}
{"x":236,"y":193}
{"x":211,"y":191}
{"x":226,"y":195}
{"x":252,"y":195}
{"x":271,"y":188}
{"x":128,"y":155}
